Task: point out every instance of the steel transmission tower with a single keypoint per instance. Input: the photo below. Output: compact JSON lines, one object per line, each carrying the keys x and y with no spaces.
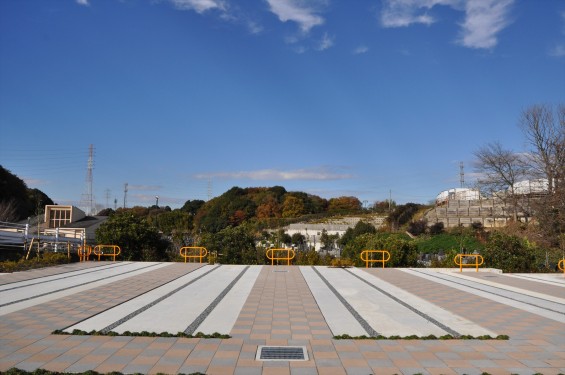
{"x":461,"y":174}
{"x":87,"y":202}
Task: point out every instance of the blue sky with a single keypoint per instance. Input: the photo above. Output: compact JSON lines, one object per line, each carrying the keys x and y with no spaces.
{"x":183,"y":98}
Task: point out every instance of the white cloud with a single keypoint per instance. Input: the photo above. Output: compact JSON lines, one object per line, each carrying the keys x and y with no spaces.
{"x":296,"y":11}
{"x":484,"y":19}
{"x":557,"y":51}
{"x":83,"y":2}
{"x":326,"y":42}
{"x":254,"y":27}
{"x":401,"y":13}
{"x":199,"y":6}
{"x":361,"y":50}
{"x":278,"y":175}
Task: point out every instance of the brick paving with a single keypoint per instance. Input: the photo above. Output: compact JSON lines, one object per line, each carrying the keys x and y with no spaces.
{"x":280,"y":310}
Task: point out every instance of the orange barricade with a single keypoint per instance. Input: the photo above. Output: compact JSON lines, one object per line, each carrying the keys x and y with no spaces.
{"x":367,"y":257}
{"x":459,"y":261}
{"x":99,"y":250}
{"x":185,"y":252}
{"x":561,"y":265}
{"x":84,"y":253}
{"x":272,"y":255}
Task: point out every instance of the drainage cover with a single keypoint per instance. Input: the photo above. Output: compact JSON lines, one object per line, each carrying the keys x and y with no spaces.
{"x":281,"y":353}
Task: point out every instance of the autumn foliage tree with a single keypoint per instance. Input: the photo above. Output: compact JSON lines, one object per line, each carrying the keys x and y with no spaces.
{"x":344,"y":204}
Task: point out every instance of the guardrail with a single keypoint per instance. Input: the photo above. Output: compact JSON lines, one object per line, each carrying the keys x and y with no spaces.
{"x":272,"y":255}
{"x":479,"y":260}
{"x":84,"y":253}
{"x":184,"y":252}
{"x":99,"y":250}
{"x":367,"y":257}
{"x":561,"y":265}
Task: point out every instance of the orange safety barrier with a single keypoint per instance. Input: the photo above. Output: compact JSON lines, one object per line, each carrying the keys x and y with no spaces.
{"x":368,"y":258}
{"x":84,"y":252}
{"x":478,"y":261}
{"x":99,"y":250}
{"x":184,"y":252}
{"x":271,"y":254}
{"x":561,"y":265}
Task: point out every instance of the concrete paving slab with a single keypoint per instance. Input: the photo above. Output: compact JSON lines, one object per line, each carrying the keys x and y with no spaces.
{"x":14,"y":300}
{"x":224,"y":316}
{"x":542,"y":307}
{"x":106,"y":318}
{"x":43,"y":280}
{"x":493,"y":282}
{"x":385,"y":315}
{"x":455,"y":322}
{"x":548,"y":278}
{"x":176,"y":313}
{"x":337,"y":316}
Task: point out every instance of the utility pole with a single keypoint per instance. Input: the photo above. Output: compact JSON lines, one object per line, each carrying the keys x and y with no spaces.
{"x":125,"y":195}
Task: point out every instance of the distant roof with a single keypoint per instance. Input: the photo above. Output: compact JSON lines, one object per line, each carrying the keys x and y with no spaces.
{"x":87,"y":222}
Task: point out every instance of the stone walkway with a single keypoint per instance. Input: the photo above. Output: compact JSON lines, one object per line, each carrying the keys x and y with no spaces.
{"x":280,"y":310}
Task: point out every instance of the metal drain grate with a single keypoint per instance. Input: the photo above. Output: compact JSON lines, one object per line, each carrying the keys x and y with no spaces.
{"x":281,"y":353}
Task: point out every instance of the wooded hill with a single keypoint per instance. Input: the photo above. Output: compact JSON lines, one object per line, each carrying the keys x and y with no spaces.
{"x":267,"y":205}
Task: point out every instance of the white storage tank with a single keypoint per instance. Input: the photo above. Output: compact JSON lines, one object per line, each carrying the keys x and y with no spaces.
{"x":462,"y":194}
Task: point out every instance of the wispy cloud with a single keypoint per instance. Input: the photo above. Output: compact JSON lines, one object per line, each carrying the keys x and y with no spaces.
{"x":360,"y":50}
{"x":484,"y":19}
{"x":199,"y":6}
{"x":557,"y":51}
{"x":296,"y":11}
{"x":83,"y":2}
{"x":402,"y":13}
{"x":254,"y":27}
{"x":322,"y":173}
{"x":326,"y":42}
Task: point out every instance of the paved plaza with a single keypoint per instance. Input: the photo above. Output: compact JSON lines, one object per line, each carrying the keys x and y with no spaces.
{"x":280,"y":307}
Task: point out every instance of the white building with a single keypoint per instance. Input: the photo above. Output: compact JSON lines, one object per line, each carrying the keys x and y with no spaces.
{"x":313,"y":232}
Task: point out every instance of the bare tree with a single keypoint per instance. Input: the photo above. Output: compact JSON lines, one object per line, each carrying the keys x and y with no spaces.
{"x":499,"y":171}
{"x":544,"y":129}
{"x":8,"y":210}
{"x":545,"y":134}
